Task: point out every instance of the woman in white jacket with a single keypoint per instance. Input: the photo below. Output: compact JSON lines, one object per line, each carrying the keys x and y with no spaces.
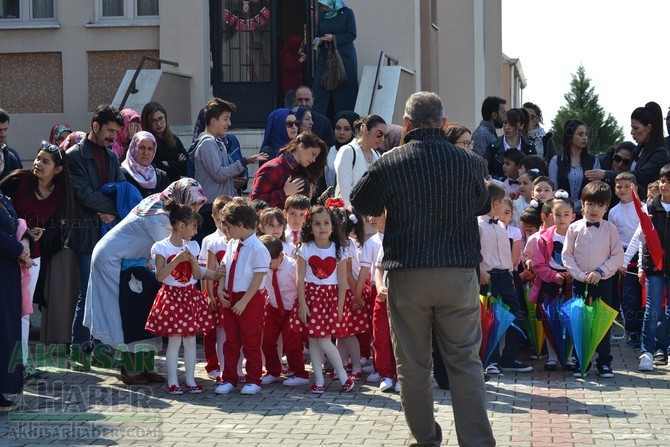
{"x":356,"y":157}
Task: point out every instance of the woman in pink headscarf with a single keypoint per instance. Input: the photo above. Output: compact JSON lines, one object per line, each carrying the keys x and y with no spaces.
{"x":59,"y":133}
{"x":137,"y":166}
{"x":130,"y":240}
{"x":131,"y":125}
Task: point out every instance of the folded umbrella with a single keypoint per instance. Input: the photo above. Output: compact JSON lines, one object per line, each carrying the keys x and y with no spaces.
{"x":534,"y":326}
{"x":587,"y":326}
{"x":555,"y":328}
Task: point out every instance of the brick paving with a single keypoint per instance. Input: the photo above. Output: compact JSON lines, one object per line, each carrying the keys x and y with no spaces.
{"x":537,"y":409}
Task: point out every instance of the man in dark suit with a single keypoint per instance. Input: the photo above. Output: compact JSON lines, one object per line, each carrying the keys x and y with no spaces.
{"x":322,"y":127}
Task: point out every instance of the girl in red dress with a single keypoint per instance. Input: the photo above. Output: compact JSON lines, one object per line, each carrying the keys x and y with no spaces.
{"x":180,"y":310}
{"x":322,"y":286}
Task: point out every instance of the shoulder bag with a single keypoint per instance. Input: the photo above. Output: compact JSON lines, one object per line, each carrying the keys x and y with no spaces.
{"x":334,"y":74}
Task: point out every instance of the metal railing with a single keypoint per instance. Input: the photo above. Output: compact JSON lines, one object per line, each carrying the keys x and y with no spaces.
{"x":390,"y":60}
{"x":132,"y":88}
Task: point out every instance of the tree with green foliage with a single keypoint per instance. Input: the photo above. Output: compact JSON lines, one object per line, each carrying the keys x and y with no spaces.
{"x":582,"y":104}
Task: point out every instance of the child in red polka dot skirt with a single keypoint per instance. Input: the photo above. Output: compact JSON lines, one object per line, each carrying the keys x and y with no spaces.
{"x":322,"y":286}
{"x":180,"y":310}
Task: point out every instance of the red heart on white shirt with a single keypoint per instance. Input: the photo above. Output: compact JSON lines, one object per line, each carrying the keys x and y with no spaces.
{"x":322,"y":268}
{"x":182,"y":272}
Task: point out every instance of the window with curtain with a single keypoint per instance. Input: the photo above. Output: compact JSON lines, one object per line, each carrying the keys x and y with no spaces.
{"x":10,"y":9}
{"x":147,"y":8}
{"x":43,"y":9}
{"x":112,"y":8}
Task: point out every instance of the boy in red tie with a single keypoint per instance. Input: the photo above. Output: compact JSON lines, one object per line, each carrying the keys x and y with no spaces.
{"x":282,"y":293}
{"x":242,"y":294}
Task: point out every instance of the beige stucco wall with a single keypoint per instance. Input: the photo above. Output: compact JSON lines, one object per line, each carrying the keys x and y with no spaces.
{"x":470,"y":56}
{"x":389,"y":26}
{"x":184,"y":37}
{"x":73,"y":39}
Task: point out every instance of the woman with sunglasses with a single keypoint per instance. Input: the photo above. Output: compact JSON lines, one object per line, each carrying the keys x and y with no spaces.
{"x":43,"y":196}
{"x":651,"y":153}
{"x":170,"y":153}
{"x":281,"y":127}
{"x":356,"y":157}
{"x":296,"y":170}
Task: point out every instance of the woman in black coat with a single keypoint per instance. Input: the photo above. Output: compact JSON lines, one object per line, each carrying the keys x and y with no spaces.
{"x":13,"y":253}
{"x":651,"y":153}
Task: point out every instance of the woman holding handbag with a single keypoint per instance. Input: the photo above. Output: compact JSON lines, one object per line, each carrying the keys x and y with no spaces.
{"x":336,"y":28}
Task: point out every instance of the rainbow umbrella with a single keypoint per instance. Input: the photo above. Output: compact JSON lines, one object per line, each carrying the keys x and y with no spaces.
{"x":501,"y":321}
{"x":555,"y":328}
{"x":533,"y":323}
{"x":587,"y":325}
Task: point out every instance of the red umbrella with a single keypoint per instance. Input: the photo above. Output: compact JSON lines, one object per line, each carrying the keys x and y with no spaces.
{"x":650,"y":234}
{"x":486,"y":319}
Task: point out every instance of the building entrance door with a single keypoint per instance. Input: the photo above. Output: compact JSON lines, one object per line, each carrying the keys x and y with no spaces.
{"x":246,"y":37}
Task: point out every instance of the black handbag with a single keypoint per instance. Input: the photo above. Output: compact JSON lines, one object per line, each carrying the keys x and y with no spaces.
{"x":138,"y":288}
{"x":334,"y":74}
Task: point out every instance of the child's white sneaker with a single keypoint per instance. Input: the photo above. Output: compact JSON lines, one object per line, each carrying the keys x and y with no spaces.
{"x":224,"y":388}
{"x":646,"y":362}
{"x":373,"y":377}
{"x":296,"y":381}
{"x":267,"y":379}
{"x":398,"y":387}
{"x":250,"y":388}
{"x":385,"y":384}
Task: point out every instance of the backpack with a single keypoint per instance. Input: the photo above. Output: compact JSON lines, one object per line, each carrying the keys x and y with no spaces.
{"x":190,"y":159}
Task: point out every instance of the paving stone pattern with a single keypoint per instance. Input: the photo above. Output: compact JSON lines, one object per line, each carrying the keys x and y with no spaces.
{"x":536,"y":409}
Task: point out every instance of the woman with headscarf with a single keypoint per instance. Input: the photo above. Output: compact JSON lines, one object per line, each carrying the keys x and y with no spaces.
{"x":137,"y":166}
{"x":131,"y":125}
{"x":281,"y":127}
{"x":292,"y":59}
{"x":59,"y":133}
{"x":343,"y":129}
{"x":337,"y":24}
{"x":131,"y":239}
